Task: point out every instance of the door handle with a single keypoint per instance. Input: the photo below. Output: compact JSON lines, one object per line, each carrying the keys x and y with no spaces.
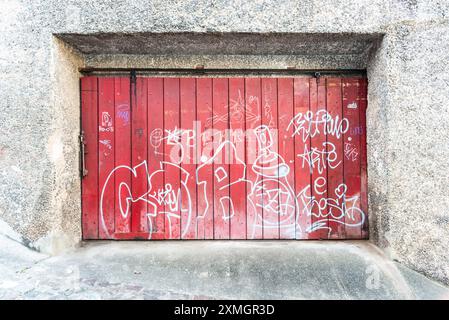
{"x":83,"y":169}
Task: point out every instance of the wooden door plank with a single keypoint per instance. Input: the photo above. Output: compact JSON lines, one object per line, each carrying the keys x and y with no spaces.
{"x":335,"y":126}
{"x":106,"y":162}
{"x":254,"y":222}
{"x":286,"y":171}
{"x":188,"y":164}
{"x":317,"y":162}
{"x":89,"y":125}
{"x":139,"y":220}
{"x":363,"y":99}
{"x":269,"y":159}
{"x":302,"y":141}
{"x":220,"y":169}
{"x":351,"y":195}
{"x":237,"y":171}
{"x":122,"y":154}
{"x":171,"y":165}
{"x":205,"y":197}
{"x":156,"y":208}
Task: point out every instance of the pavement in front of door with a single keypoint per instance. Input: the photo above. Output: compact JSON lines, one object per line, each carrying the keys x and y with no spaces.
{"x":211,"y":270}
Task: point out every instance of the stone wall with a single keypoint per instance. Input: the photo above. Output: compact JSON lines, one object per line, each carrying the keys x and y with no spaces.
{"x":405,"y":53}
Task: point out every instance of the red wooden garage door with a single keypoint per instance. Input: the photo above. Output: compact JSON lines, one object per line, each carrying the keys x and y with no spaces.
{"x":224,"y":158}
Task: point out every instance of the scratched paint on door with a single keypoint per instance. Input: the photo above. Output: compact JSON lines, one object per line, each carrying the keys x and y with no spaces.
{"x":237,"y":158}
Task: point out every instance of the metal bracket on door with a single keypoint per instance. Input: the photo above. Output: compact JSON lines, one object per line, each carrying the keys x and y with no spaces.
{"x":317,"y":75}
{"x":133,"y":81}
{"x":83,"y":170}
{"x":133,"y":76}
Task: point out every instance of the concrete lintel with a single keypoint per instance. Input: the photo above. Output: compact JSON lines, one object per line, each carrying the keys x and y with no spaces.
{"x":191,"y":43}
{"x":231,"y":62}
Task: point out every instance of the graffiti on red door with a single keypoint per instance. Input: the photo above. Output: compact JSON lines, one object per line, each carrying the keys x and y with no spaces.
{"x":237,"y":158}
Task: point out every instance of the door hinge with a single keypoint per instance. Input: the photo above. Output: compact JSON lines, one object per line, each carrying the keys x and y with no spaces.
{"x":83,"y":170}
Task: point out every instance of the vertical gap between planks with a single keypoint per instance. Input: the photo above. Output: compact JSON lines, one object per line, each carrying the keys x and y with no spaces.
{"x":133,"y":98}
{"x":260,"y":154}
{"x":295,"y":202}
{"x":328,"y":168}
{"x":277,"y":151}
{"x":115,"y":147}
{"x":228,"y":137}
{"x":365,"y":227}
{"x":163,"y":150}
{"x":179,"y":199}
{"x":194,"y":126}
{"x":312,"y":191}
{"x":245,"y":157}
{"x":98,"y":157}
{"x":196,"y":157}
{"x":308,"y":210}
{"x":212,"y":163}
{"x":359,"y":125}
{"x":147,"y":159}
{"x":343,"y":236}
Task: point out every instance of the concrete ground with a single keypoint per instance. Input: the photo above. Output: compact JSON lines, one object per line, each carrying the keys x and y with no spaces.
{"x":211,"y":270}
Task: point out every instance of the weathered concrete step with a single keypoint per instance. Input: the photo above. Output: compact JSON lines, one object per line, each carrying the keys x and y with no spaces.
{"x":224,"y":269}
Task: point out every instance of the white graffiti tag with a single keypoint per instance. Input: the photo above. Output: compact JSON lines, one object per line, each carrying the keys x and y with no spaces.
{"x":271,"y":187}
{"x":165,"y":200}
{"x":320,"y":158}
{"x":308,"y":125}
{"x":220,"y":181}
{"x":106,"y":122}
{"x":340,"y":208}
{"x":351,"y":152}
{"x":268,"y":180}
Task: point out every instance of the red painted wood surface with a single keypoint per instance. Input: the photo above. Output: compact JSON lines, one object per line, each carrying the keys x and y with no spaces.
{"x":123,"y":152}
{"x":237,"y":167}
{"x":204,"y":172}
{"x":286,"y":168}
{"x":253,"y":111}
{"x":302,"y":169}
{"x":269,"y":160}
{"x":219,"y":161}
{"x":139,"y":185}
{"x":362,"y":98}
{"x":352,"y":164}
{"x":224,"y":158}
{"x":188,"y":140}
{"x":318,"y":159}
{"x":171,"y":193}
{"x":335,"y":153}
{"x":89,"y":123}
{"x":106,"y":161}
{"x":155,"y":158}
